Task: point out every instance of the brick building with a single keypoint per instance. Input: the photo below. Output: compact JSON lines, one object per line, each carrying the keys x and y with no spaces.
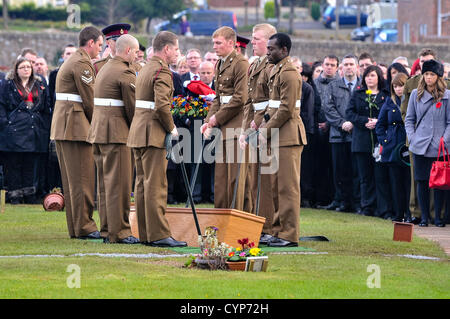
{"x":423,"y":21}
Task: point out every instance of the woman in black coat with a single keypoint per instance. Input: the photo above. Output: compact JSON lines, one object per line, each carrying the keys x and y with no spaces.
{"x":375,"y":193}
{"x":391,"y":134}
{"x":392,"y":71}
{"x":25,"y":117}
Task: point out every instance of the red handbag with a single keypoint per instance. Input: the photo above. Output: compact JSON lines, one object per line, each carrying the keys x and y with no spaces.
{"x":440,"y":170}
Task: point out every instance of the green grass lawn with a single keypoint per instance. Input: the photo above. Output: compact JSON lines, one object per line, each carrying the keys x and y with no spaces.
{"x":356,"y":242}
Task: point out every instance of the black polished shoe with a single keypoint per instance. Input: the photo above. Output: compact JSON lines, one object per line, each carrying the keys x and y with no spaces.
{"x":408,"y":220}
{"x":93,"y":235}
{"x":344,"y":208}
{"x":423,"y":224}
{"x":129,"y":240}
{"x":167,"y":242}
{"x":367,"y":213}
{"x":440,"y":225}
{"x":279,"y":242}
{"x":332,"y":206}
{"x":16,"y":201}
{"x":265,"y":238}
{"x":399,"y":220}
{"x":306,"y":204}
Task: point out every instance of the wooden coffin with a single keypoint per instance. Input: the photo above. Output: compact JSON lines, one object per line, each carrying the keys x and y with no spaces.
{"x":232,"y":224}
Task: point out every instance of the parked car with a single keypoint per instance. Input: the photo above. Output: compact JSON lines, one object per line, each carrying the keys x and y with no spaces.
{"x":347,"y":16}
{"x":201,"y":22}
{"x":389,"y":35}
{"x":364,"y":33}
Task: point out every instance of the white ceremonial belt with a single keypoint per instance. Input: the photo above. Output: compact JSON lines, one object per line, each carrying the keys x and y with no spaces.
{"x":260,"y":106}
{"x":68,"y":97}
{"x":145,"y":104}
{"x":108,"y":102}
{"x":276,"y":104}
{"x":225,"y":99}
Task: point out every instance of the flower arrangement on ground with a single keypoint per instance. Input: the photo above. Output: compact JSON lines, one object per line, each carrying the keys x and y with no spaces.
{"x":195,"y":107}
{"x":213,"y":253}
{"x":247,"y":249}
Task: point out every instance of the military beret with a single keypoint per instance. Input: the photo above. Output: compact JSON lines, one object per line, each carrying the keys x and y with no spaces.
{"x":242,"y":41}
{"x":116,"y":30}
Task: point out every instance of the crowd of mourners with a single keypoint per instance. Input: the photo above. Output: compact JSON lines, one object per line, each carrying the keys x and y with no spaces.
{"x":373,"y":130}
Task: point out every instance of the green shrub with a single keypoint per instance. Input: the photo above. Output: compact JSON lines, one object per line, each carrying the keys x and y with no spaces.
{"x":269,"y":10}
{"x":29,"y":11}
{"x":315,"y":11}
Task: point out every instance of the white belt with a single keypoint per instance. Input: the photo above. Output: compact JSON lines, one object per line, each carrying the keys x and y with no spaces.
{"x":108,"y":102}
{"x":276,"y":104}
{"x":225,"y":99}
{"x":68,"y":97}
{"x":145,"y":104}
{"x":260,"y":106}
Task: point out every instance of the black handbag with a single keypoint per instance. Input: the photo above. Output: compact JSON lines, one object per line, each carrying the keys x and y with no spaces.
{"x":401,"y":155}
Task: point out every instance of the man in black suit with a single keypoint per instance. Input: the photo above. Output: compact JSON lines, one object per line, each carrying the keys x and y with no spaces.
{"x":203,"y":190}
{"x":193,"y":58}
{"x":206,"y":71}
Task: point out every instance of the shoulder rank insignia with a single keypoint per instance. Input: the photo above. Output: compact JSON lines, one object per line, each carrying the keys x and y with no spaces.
{"x":86,"y":78}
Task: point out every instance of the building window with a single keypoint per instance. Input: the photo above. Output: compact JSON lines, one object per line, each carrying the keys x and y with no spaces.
{"x":406,"y":33}
{"x":423,"y":30}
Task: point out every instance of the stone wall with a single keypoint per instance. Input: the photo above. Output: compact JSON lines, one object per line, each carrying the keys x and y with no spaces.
{"x":50,"y":44}
{"x":47,"y":44}
{"x":312,"y":50}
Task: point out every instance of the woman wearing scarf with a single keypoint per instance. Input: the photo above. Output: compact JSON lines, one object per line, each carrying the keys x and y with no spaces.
{"x":25,"y":118}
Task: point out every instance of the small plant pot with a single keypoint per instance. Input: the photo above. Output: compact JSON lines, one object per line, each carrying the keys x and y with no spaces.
{"x":53,"y":202}
{"x":403,"y":231}
{"x":236,"y":265}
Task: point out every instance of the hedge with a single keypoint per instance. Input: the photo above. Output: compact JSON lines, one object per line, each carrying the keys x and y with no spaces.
{"x":29,"y":11}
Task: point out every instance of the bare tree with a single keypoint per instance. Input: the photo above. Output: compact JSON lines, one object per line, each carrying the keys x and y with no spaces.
{"x":291,"y":16}
{"x":277,"y":12}
{"x":358,"y":14}
{"x":336,"y":12}
{"x":5,"y":14}
{"x":112,"y":11}
{"x":257,"y":11}
{"x":246,"y":13}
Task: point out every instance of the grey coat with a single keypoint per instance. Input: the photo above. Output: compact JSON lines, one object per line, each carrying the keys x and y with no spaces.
{"x":424,"y":139}
{"x":338,"y":98}
{"x":322,"y":86}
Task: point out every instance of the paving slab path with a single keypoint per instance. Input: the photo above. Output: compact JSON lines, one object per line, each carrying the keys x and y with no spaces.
{"x":438,"y":234}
